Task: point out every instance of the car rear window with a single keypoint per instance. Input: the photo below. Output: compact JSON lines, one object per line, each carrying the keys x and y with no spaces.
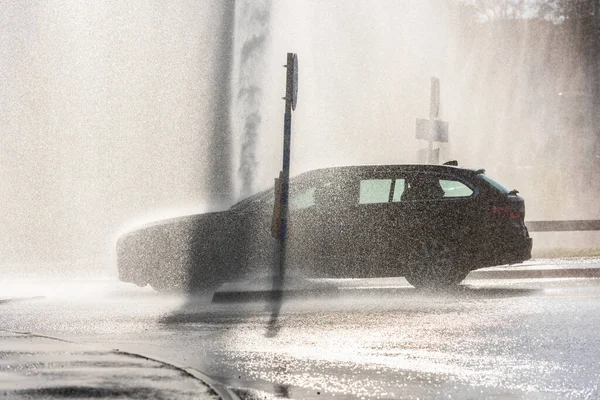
{"x":494,"y":183}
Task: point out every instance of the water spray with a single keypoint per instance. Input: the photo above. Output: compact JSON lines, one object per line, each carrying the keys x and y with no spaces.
{"x":254,"y":21}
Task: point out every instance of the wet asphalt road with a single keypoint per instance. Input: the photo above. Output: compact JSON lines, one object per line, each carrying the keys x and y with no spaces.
{"x":503,"y":339}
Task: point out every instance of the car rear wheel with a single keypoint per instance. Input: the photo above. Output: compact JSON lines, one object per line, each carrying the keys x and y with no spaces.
{"x":432,"y":264}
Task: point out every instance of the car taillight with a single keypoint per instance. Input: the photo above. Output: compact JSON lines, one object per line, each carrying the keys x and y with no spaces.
{"x":507,"y":212}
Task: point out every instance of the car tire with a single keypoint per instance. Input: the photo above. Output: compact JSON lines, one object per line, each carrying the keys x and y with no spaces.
{"x":433,"y":265}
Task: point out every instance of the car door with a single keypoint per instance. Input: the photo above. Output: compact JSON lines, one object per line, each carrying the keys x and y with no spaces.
{"x":434,"y":207}
{"x":365,"y":243}
{"x":318,"y":225}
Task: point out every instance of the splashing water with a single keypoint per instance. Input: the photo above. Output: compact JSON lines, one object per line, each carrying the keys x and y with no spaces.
{"x":121,"y":110}
{"x":252,"y":36}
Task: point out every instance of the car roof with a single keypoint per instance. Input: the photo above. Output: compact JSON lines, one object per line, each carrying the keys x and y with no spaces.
{"x":383,"y":168}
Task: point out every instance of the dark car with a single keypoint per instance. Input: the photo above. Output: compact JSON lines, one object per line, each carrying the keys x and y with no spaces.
{"x":432,"y":224}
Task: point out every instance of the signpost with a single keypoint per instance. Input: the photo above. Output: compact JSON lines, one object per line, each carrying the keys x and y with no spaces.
{"x":432,"y":129}
{"x":279,"y":226}
{"x":282,"y":184}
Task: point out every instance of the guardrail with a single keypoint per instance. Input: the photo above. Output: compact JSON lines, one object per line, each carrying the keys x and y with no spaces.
{"x":563,"y":226}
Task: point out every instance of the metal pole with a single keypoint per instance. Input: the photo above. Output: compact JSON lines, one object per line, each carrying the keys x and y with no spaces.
{"x":284,"y":178}
{"x":434,"y":112}
{"x":287,"y":138}
{"x":430,"y":152}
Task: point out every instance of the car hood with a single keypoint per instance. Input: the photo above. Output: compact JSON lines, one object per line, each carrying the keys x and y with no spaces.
{"x":179,"y":221}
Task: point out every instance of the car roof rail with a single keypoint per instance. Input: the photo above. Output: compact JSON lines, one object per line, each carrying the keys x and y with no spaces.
{"x":452,"y":162}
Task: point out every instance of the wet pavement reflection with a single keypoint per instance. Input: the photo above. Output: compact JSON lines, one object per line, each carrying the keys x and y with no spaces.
{"x":370,"y":338}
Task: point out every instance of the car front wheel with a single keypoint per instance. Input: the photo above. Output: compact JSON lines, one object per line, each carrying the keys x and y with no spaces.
{"x":432,"y":265}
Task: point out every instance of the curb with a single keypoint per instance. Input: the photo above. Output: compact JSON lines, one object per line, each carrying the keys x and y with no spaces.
{"x":535,"y":273}
{"x":516,"y":272}
{"x":222,"y":391}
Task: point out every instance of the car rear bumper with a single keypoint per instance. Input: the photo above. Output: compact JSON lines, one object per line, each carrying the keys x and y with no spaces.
{"x":520,"y":250}
{"x":505,"y":250}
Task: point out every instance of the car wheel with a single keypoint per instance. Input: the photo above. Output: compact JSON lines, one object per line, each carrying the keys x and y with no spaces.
{"x":432,"y":264}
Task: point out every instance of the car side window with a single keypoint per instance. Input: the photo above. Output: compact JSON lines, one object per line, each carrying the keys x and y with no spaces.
{"x":374,"y":191}
{"x":303,"y":199}
{"x":453,"y":188}
{"x":398,"y":190}
{"x":422,"y":187}
{"x":378,"y":190}
{"x":427,"y":187}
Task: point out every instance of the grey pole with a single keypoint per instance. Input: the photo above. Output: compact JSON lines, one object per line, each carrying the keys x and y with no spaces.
{"x":291,"y":92}
{"x":434,"y":112}
{"x":287,"y":139}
